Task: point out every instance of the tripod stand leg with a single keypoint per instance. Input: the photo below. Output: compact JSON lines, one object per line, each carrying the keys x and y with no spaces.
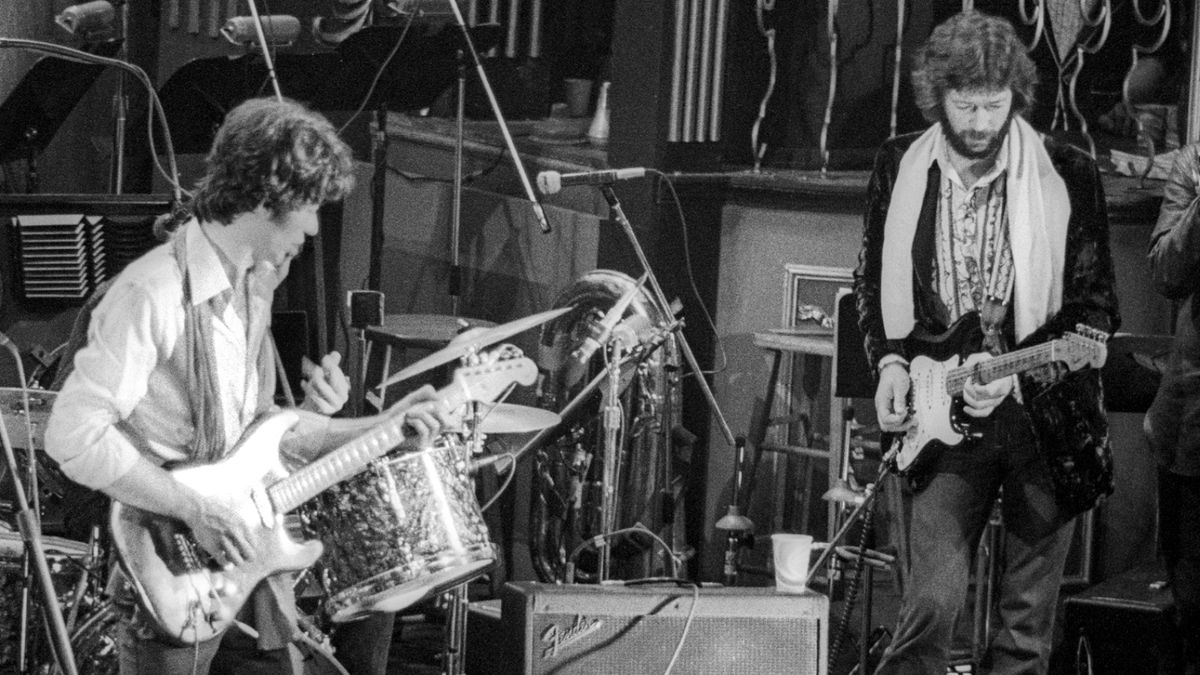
{"x":455,"y":648}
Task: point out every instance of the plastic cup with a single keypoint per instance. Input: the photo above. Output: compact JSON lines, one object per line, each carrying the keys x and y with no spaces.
{"x":791,"y":553}
{"x":578,"y":95}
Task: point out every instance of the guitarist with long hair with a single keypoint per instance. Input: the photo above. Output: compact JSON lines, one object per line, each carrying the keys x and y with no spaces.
{"x":178,"y":364}
{"x":982,"y":237}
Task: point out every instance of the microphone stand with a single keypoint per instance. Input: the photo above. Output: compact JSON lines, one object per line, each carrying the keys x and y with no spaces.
{"x":266,"y":51}
{"x":619,"y":215}
{"x":460,"y":117}
{"x":538,"y":211}
{"x":35,"y":550}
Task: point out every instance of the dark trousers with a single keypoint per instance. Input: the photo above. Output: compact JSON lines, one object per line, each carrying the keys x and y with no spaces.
{"x":363,"y":646}
{"x":234,"y":653}
{"x":1179,"y":541}
{"x":944,"y":523}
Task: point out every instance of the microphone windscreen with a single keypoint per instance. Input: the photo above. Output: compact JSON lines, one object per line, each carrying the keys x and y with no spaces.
{"x":279,"y":29}
{"x":87,"y":17}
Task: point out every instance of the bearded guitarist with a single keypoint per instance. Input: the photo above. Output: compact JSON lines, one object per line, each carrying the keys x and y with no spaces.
{"x":982,"y":224}
{"x":178,"y":363}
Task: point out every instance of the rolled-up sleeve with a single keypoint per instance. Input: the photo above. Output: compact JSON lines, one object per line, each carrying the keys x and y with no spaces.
{"x":126,"y":336}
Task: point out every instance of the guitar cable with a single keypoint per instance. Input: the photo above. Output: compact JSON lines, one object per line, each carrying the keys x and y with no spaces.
{"x":843,"y":625}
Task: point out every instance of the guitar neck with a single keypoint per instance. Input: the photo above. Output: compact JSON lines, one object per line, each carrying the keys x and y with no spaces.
{"x":1002,"y":366}
{"x":337,"y":466}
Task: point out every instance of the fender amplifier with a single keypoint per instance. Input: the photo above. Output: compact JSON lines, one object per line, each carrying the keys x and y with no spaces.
{"x":636,"y":629}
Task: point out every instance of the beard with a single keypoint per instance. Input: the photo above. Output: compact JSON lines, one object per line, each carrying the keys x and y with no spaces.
{"x":959,"y":140}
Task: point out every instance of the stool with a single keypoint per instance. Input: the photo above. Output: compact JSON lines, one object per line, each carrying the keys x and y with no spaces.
{"x":814,"y":342}
{"x":410,"y":331}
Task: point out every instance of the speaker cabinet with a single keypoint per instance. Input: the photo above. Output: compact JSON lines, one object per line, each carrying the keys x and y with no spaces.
{"x":1124,"y":625}
{"x":587,"y":629}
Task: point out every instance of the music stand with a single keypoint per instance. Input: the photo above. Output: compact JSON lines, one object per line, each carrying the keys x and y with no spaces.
{"x":41,"y":102}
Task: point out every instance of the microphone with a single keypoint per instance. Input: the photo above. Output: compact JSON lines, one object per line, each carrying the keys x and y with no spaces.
{"x":577,"y":362}
{"x":550,"y":182}
{"x":484,"y":462}
{"x":280,"y":30}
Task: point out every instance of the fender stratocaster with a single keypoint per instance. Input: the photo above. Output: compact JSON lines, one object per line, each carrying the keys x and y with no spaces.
{"x":937,"y":385}
{"x":184,"y":590}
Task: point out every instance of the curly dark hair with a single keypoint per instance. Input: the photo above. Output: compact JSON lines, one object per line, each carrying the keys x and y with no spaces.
{"x":972,"y":51}
{"x":278,"y":154}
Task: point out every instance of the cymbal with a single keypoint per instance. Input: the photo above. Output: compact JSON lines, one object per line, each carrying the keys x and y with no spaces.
{"x":510,"y":418}
{"x":12,"y":408}
{"x":474,"y":339}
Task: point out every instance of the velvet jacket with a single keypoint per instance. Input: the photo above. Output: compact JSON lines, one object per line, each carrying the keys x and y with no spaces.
{"x":1068,"y":413}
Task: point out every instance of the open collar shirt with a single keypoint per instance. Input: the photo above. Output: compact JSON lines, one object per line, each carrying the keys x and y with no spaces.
{"x":128,"y":393}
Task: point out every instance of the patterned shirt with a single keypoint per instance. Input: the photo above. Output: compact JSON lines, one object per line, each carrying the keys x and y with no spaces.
{"x":973,"y":260}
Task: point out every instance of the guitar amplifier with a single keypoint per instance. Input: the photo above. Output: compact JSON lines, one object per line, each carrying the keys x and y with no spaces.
{"x":1123,"y":625}
{"x":587,"y":629}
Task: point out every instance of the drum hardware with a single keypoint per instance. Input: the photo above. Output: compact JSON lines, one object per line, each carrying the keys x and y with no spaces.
{"x":29,"y":525}
{"x":618,"y":214}
{"x":468,"y":344}
{"x":569,"y":473}
{"x":510,"y":418}
{"x":614,"y":419}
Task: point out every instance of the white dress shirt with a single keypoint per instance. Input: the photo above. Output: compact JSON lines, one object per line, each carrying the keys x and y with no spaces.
{"x":128,"y":392}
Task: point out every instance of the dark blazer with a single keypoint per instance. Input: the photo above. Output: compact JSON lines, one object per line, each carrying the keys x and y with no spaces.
{"x":1074,"y":402}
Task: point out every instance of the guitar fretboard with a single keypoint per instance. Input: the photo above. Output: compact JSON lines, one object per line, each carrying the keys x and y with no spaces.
{"x":1003,"y":365}
{"x":337,"y":466}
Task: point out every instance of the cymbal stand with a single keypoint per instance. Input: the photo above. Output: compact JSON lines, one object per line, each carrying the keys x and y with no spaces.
{"x":619,"y":215}
{"x":35,"y":555}
{"x":613,"y":417}
{"x":454,"y":646}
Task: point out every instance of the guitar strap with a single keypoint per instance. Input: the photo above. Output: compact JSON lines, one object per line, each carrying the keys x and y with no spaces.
{"x":991,"y":318}
{"x":995,"y":300}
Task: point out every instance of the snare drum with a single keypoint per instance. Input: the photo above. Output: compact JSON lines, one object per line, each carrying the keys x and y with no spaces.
{"x":403,"y":530}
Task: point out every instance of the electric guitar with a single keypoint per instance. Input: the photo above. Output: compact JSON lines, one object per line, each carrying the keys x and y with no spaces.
{"x":186,"y":591}
{"x":938,"y":377}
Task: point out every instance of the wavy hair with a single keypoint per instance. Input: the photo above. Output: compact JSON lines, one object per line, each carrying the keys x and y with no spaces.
{"x":972,"y":51}
{"x":278,"y":154}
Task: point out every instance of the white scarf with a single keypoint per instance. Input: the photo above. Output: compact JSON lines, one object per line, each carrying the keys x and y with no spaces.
{"x":1038,"y":213}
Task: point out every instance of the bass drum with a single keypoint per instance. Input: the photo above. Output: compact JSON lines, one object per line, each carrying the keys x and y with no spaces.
{"x":569,"y":467}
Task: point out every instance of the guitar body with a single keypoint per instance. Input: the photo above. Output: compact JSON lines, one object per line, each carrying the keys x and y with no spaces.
{"x":947,"y":362}
{"x":936,"y":421}
{"x":189,"y":595}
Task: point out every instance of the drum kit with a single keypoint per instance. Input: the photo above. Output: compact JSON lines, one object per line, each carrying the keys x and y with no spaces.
{"x":408,"y":529}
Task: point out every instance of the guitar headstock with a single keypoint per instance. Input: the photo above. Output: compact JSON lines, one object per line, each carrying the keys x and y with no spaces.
{"x":1086,"y":346}
{"x":486,"y":381}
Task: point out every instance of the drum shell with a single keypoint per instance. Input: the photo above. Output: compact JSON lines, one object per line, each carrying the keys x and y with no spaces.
{"x":406,"y":518}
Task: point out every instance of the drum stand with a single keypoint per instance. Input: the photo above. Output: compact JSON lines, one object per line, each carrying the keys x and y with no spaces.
{"x":454,"y":649}
{"x":613,"y":417}
{"x":35,"y":553}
